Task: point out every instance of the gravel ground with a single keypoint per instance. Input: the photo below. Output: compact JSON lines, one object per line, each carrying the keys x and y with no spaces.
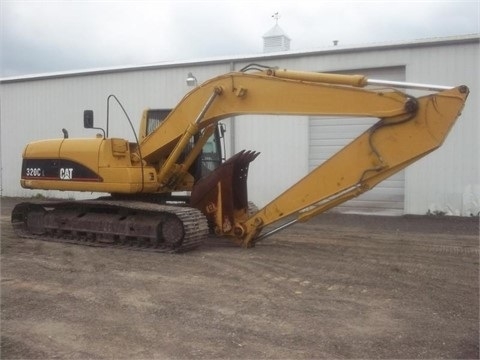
{"x":340,"y":286}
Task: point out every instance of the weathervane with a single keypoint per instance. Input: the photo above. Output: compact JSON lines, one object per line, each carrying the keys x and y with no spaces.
{"x":276,"y":16}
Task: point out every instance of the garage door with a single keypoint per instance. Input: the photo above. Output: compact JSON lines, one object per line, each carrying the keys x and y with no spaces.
{"x":328,"y":135}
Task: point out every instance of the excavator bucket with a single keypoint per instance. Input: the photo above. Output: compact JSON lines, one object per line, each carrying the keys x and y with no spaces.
{"x":222,"y":196}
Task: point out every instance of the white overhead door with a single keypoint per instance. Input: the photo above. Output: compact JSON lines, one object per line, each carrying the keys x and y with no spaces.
{"x":327,"y":135}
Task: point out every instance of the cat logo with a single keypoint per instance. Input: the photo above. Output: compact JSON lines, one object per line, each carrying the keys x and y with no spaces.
{"x":66,"y":173}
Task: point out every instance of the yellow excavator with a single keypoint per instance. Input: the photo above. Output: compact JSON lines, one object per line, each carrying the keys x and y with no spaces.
{"x":179,"y":151}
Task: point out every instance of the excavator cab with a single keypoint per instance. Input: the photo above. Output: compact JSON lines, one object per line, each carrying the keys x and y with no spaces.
{"x":212,"y":154}
{"x":209,"y":159}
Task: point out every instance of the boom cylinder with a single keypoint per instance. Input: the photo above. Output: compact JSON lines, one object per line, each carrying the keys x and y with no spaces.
{"x":351,"y":80}
{"x":337,"y":79}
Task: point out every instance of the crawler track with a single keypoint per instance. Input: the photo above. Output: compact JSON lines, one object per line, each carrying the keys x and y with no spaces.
{"x":134,"y":225}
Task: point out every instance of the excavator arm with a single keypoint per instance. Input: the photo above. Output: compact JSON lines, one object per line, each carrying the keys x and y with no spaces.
{"x":387,"y":147}
{"x":408,"y":129}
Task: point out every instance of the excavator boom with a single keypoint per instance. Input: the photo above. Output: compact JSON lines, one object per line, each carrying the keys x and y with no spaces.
{"x":265,"y":93}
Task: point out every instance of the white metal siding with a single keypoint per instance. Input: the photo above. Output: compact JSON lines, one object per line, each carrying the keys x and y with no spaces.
{"x":282,"y":143}
{"x":329,"y":135}
{"x":447,"y":180}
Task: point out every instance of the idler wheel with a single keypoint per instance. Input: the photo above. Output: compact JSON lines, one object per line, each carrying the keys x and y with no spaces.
{"x":29,"y":218}
{"x":171,"y":231}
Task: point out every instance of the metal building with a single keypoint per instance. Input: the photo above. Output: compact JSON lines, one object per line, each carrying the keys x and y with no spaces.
{"x":447,"y":181}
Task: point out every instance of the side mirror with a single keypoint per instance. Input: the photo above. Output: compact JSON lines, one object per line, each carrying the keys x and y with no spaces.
{"x":88,"y":119}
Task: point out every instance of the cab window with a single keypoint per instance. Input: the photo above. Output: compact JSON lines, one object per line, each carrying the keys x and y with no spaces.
{"x":155,"y":118}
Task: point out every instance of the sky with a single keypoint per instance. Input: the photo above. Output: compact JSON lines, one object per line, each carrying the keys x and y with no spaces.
{"x":40,"y":36}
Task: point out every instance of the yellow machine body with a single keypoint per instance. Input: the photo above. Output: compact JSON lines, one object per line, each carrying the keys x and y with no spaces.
{"x":408,"y":128}
{"x":98,"y":165}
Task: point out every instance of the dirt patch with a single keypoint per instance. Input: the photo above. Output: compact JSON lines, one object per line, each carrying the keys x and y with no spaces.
{"x":341,"y":286}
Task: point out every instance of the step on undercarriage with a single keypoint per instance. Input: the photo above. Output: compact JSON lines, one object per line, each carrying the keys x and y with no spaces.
{"x":107,"y":223}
